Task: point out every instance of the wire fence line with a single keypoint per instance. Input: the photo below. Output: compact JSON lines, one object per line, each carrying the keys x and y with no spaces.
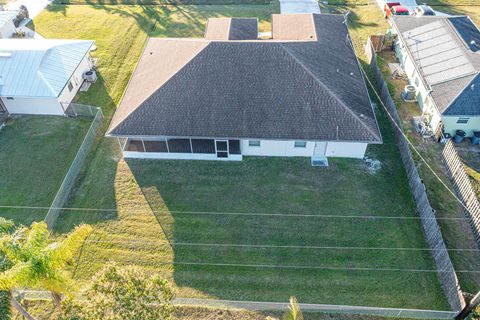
{"x":463,"y":187}
{"x":69,"y":180}
{"x":268,"y":246}
{"x":236,"y":305}
{"x":296,"y":215}
{"x":446,"y":272}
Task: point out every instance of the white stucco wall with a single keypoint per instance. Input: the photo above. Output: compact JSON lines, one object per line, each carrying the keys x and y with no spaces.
{"x":287,"y":149}
{"x":7,"y":30}
{"x":268,"y":148}
{"x":66,"y":96}
{"x":33,"y":106}
{"x":451,"y":125}
{"x":424,"y":99}
{"x":277,"y":149}
{"x":346,"y":149}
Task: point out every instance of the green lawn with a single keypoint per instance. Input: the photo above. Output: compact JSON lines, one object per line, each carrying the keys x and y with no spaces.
{"x":151,"y":197}
{"x":161,"y":2}
{"x":35,"y":154}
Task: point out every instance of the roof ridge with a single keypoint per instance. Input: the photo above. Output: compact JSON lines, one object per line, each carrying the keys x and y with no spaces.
{"x":329,"y":91}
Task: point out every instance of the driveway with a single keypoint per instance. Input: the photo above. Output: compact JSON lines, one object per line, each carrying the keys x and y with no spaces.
{"x":299,"y":6}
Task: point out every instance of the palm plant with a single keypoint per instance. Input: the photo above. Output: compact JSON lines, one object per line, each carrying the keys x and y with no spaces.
{"x":293,"y":312}
{"x":31,"y":260}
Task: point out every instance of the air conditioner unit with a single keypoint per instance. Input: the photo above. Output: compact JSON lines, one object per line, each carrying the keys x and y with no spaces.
{"x":90,"y":76}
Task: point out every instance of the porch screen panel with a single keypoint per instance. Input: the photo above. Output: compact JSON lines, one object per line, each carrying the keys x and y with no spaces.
{"x":179,"y":145}
{"x":134,"y":145}
{"x":203,"y":146}
{"x":155,"y":145}
{"x":234,"y":146}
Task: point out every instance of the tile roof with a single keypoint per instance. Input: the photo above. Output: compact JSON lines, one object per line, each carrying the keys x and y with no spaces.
{"x":39,"y":67}
{"x":268,"y":89}
{"x":445,"y":53}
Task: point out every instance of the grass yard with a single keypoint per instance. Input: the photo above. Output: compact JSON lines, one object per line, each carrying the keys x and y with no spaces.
{"x":153,"y":226}
{"x":456,"y":233}
{"x":161,"y":2}
{"x":35,"y":154}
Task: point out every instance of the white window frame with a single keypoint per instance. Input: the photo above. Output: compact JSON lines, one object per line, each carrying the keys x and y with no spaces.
{"x":463,"y":120}
{"x":302,"y":146}
{"x":254,"y":145}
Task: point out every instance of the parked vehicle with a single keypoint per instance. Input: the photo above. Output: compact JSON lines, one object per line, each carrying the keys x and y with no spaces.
{"x":395,"y":8}
{"x":423,"y":10}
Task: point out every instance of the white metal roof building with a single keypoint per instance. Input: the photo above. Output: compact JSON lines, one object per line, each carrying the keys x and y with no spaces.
{"x":39,"y":68}
{"x":7,"y":26}
{"x":7,"y":16}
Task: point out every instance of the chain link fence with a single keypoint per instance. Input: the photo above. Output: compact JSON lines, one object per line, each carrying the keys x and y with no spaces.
{"x":277,"y":306}
{"x":75,"y":110}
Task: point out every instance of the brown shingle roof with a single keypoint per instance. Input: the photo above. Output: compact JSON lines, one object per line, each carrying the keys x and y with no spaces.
{"x":275,"y":89}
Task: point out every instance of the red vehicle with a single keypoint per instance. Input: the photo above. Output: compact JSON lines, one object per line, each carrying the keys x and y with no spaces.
{"x":395,"y":8}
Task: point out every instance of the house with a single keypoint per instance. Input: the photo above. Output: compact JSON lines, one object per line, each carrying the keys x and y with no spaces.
{"x":441,"y":57}
{"x":7,"y":26}
{"x":40,"y":76}
{"x":230,"y":95}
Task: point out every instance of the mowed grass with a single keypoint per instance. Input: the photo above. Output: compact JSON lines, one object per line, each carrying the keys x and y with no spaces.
{"x":152,"y":228}
{"x":35,"y":154}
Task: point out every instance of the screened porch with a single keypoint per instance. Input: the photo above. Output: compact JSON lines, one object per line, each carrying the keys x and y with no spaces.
{"x":181,"y":148}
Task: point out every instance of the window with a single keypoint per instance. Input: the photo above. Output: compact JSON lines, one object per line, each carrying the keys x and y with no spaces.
{"x":134,"y":145}
{"x":463,"y":120}
{"x":417,"y":82}
{"x":254,"y":143}
{"x":203,"y":146}
{"x":70,"y":86}
{"x":234,"y":146}
{"x":179,"y":146}
{"x":300,"y":144}
{"x":155,"y":145}
{"x":9,"y":98}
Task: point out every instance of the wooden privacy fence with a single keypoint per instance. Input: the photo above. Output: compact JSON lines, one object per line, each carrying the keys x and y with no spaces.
{"x":463,"y":187}
{"x":433,"y":235}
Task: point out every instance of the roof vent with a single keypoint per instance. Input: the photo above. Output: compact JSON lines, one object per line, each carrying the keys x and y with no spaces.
{"x":472,"y":87}
{"x":5,"y":54}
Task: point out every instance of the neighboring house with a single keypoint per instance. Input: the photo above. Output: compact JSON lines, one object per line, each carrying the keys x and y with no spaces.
{"x":230,"y":95}
{"x":41,"y":76}
{"x":7,"y":26}
{"x":441,"y":57}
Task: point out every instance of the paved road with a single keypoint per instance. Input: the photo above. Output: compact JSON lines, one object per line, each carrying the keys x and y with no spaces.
{"x":299,"y":6}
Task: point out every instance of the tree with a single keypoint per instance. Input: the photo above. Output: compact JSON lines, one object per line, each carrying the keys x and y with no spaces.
{"x":31,"y":260}
{"x":293,"y":312}
{"x":123,"y":294}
